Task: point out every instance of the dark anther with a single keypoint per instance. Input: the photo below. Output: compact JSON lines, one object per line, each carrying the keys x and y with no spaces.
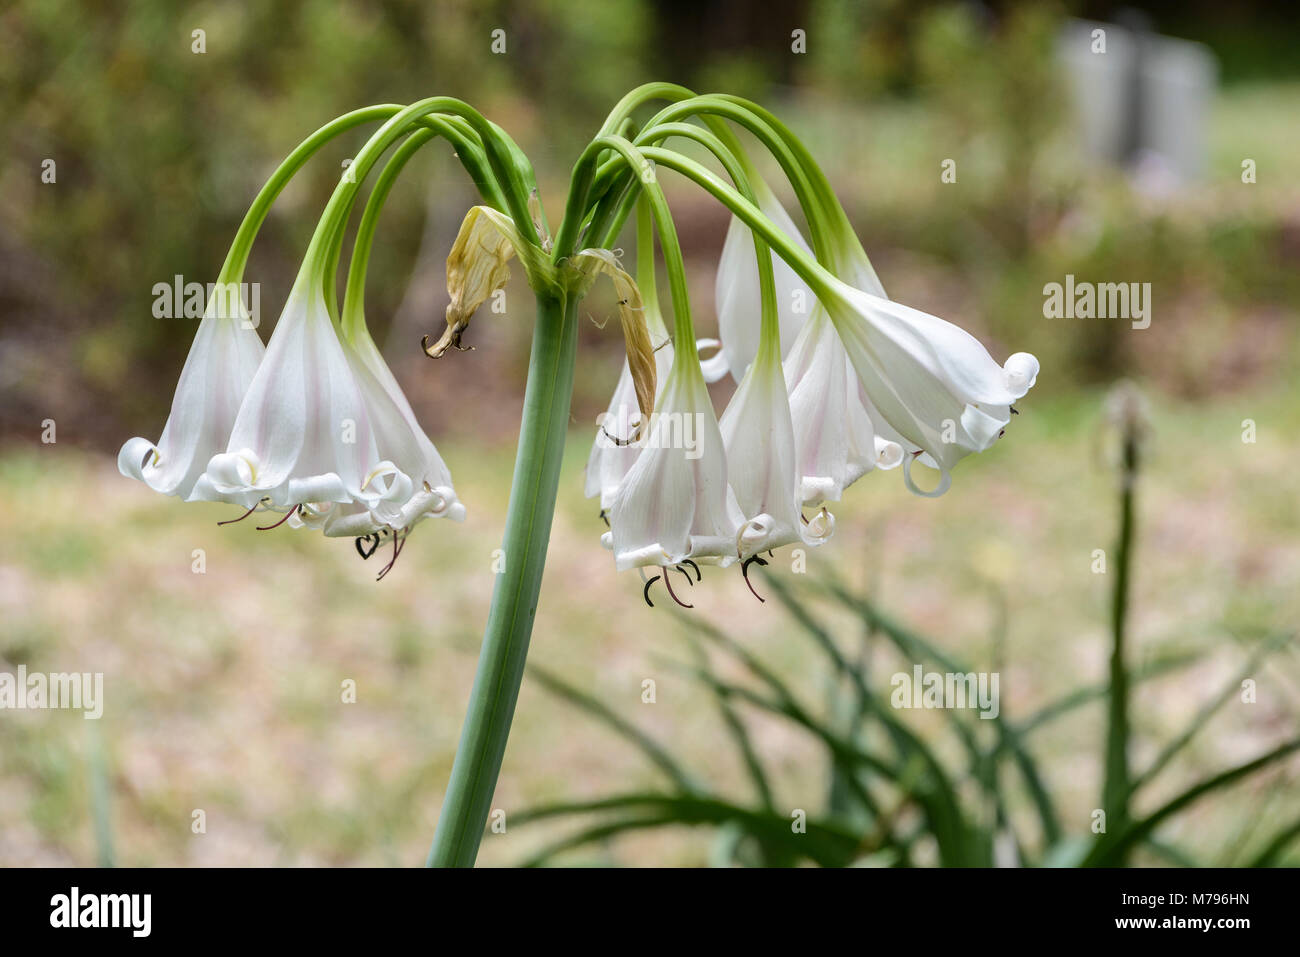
{"x":744,"y":571}
{"x":645,"y":592}
{"x":267,"y":528}
{"x":398,"y":541}
{"x":604,"y":517}
{"x":686,"y":573}
{"x":232,"y":521}
{"x":1014,"y":410}
{"x":687,"y":561}
{"x":372,"y":540}
{"x":622,"y":443}
{"x":672,"y":593}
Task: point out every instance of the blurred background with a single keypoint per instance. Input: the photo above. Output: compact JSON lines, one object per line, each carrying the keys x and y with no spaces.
{"x":1169,"y":157}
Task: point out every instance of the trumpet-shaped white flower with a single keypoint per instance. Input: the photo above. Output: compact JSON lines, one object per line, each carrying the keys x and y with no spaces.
{"x":758,"y":434}
{"x":930,"y":381}
{"x":674,"y":503}
{"x":303,"y":432}
{"x":416,"y":482}
{"x":326,"y":433}
{"x":615,"y":448}
{"x":221,"y":364}
{"x":837,"y":442}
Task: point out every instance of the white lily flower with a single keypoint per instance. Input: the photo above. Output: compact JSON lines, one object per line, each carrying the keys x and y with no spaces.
{"x":759,"y":437}
{"x":737,"y":296}
{"x":413,"y":482}
{"x":220,"y":366}
{"x":613,"y":451}
{"x":615,"y":447}
{"x":930,"y":381}
{"x":837,"y":442}
{"x":303,"y":432}
{"x":675,"y":504}
{"x":361,"y":468}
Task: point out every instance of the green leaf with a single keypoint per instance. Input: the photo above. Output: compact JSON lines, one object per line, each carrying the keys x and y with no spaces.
{"x":824,"y":843}
{"x":1113,"y":848}
{"x":621,"y":726}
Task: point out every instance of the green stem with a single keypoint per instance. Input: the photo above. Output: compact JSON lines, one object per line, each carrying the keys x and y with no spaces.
{"x":233,"y":268}
{"x":770,"y":332}
{"x":1117,"y":787}
{"x":514,"y":600}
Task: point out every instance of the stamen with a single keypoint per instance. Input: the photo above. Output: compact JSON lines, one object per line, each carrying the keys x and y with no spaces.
{"x":372,"y":539}
{"x":744,"y":571}
{"x":645,"y":592}
{"x":232,"y":521}
{"x":1014,"y":410}
{"x":293,"y":511}
{"x":605,"y":518}
{"x":669,"y":585}
{"x":698,"y":576}
{"x":686,"y":573}
{"x":398,"y":541}
{"x":623,"y":443}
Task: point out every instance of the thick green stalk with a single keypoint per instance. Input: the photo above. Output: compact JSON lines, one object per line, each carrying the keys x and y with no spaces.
{"x":514,"y":600}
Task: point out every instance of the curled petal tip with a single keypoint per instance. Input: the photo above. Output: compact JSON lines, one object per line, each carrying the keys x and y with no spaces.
{"x":945,"y":480}
{"x":1021,"y":373}
{"x":889,"y":455}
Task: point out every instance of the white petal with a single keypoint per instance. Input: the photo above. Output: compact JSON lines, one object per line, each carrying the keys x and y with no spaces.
{"x":304,"y":416}
{"x":737,"y":297}
{"x":816,"y":373}
{"x":673,"y":503}
{"x":758,"y":437}
{"x":932,"y":382}
{"x":221,"y":363}
{"x":609,"y":461}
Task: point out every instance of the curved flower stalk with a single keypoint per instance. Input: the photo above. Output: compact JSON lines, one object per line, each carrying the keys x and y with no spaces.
{"x":737,"y":295}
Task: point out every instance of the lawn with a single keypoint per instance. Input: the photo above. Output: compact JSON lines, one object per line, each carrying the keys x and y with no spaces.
{"x":224,"y":690}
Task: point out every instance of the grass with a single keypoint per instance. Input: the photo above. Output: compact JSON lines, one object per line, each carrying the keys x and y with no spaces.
{"x":223,"y":689}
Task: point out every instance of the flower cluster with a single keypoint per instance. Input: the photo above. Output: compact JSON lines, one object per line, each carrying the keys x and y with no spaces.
{"x":312,"y":427}
{"x":834,"y":379}
{"x":845,"y":381}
